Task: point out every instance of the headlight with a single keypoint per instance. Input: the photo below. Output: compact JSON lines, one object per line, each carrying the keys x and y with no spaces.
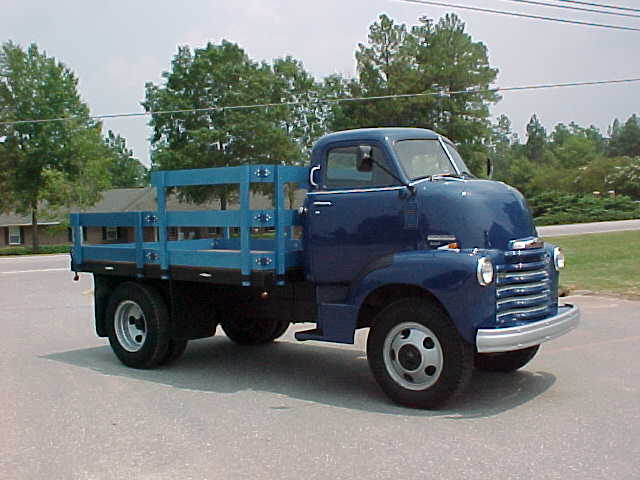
{"x":558,"y":258}
{"x":485,"y":271}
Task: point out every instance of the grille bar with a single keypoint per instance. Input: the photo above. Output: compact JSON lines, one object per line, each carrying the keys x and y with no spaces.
{"x":522,"y":277}
{"x":519,"y":267}
{"x":522,"y":289}
{"x":524,"y":313}
{"x":522,"y":301}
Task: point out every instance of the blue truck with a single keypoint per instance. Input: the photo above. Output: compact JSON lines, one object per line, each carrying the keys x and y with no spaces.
{"x":395,"y":235}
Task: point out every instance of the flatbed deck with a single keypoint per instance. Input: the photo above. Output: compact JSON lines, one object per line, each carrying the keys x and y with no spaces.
{"x":240,"y":259}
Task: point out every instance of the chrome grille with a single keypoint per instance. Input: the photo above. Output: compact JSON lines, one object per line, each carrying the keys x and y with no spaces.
{"x":523,"y":286}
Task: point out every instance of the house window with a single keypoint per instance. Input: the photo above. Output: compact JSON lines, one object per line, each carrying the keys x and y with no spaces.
{"x":15,"y":236}
{"x":110,"y":234}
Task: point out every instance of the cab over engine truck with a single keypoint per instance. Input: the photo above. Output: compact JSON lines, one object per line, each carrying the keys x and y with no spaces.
{"x":445,"y":269}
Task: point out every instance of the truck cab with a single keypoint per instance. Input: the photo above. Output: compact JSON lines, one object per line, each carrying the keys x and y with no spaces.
{"x":445,"y":269}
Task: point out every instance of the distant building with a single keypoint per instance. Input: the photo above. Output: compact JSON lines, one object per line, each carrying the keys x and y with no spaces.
{"x":15,"y":230}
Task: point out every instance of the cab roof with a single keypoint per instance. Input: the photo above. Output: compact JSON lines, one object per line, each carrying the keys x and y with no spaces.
{"x":380,"y":134}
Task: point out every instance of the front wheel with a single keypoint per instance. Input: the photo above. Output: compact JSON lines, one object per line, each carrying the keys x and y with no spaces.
{"x":505,"y":361}
{"x":416,"y":354}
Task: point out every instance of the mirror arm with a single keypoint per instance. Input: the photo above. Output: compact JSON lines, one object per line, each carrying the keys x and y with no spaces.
{"x":411,"y":188}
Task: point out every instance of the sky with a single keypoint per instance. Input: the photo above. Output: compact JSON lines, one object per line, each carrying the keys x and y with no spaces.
{"x":116,"y":46}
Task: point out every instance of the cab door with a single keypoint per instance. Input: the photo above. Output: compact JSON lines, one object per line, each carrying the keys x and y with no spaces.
{"x":353,"y":217}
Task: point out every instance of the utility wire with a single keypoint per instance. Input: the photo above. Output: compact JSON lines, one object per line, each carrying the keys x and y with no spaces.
{"x":591,"y":4}
{"x":523,"y":15}
{"x":327,"y":101}
{"x":581,"y":9}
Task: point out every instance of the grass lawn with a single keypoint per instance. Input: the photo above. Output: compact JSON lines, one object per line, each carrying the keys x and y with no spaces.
{"x":601,"y":262}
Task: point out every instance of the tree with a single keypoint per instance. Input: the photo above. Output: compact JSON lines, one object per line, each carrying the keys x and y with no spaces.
{"x":125,"y":170}
{"x":216,"y":77}
{"x":304,"y":121}
{"x":501,"y":142}
{"x":624,"y":177}
{"x":625,"y":139}
{"x":46,"y":164}
{"x":536,"y":140}
{"x":575,"y":146}
{"x":431,"y":59}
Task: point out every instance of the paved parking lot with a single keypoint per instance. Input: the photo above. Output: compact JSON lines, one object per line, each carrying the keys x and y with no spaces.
{"x":68,"y":409}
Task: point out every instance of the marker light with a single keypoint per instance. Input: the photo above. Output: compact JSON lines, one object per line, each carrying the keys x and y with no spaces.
{"x":558,"y":258}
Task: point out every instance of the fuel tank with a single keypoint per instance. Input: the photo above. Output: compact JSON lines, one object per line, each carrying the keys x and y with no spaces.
{"x":478,"y":213}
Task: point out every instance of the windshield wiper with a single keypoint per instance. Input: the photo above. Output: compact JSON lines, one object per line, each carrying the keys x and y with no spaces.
{"x":447,"y":174}
{"x":436,"y":175}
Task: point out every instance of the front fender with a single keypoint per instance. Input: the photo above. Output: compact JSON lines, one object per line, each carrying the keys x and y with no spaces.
{"x":448,"y":275}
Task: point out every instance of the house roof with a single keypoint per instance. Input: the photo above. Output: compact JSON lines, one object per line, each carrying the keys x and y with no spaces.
{"x":15,"y":220}
{"x":142,"y":199}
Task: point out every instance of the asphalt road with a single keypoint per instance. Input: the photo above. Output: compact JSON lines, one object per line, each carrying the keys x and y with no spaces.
{"x":69,"y":410}
{"x":594,"y":227}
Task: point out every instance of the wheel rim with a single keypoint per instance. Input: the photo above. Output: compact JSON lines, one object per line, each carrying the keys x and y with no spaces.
{"x":413,"y":356}
{"x":130,"y":326}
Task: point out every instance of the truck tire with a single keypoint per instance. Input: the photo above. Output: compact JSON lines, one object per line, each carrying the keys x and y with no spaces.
{"x":138,"y":325}
{"x":253,"y":331}
{"x":416,"y":354}
{"x":505,"y":361}
{"x":174,"y":352}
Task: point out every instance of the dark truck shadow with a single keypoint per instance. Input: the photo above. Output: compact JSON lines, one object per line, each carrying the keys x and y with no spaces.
{"x":321,"y":374}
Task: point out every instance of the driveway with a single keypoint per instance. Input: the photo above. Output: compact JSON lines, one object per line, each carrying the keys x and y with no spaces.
{"x":582,"y":228}
{"x":69,"y":409}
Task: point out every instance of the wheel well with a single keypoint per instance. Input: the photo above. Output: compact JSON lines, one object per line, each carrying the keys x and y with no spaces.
{"x":190,"y":305}
{"x":383,"y":296}
{"x":104,"y":285}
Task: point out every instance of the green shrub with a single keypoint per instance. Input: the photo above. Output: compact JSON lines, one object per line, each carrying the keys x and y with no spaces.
{"x":44,"y":249}
{"x":553,"y":208}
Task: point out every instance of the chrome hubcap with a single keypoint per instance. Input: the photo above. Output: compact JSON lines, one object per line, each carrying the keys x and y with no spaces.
{"x":130,"y":326}
{"x":413,"y":356}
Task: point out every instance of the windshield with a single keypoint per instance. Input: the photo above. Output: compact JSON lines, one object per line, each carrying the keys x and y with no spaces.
{"x":424,"y":158}
{"x":457,"y":158}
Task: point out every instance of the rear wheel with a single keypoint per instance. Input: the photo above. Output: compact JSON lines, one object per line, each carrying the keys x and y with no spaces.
{"x":253,"y":331}
{"x":416,"y":354}
{"x":174,"y":352}
{"x":505,"y":361}
{"x":138,"y":325}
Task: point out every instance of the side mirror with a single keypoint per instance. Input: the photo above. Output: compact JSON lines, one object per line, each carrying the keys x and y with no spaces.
{"x":489,"y":167}
{"x":364,"y":161}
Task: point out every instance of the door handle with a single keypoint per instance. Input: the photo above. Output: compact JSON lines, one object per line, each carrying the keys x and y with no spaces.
{"x":322,"y":204}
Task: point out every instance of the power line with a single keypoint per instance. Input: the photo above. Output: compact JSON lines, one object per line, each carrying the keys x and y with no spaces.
{"x":522,"y":15}
{"x":327,"y":101}
{"x":581,"y":9}
{"x":591,"y":4}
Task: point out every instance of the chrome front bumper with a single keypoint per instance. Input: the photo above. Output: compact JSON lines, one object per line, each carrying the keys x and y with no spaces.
{"x":515,"y":338}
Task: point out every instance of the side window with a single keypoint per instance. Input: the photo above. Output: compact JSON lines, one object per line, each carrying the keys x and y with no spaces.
{"x":341,"y":171}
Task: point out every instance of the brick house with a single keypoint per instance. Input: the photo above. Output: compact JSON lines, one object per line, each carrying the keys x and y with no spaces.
{"x":15,"y":230}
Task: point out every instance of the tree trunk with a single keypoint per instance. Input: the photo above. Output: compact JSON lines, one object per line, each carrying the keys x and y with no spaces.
{"x":35,"y":239}
{"x":226,"y":231}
